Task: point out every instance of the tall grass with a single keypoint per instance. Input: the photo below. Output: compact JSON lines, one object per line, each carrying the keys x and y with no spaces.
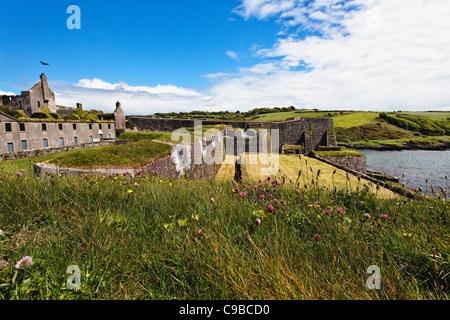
{"x":142,"y":241}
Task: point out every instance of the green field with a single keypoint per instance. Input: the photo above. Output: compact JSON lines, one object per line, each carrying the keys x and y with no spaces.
{"x":355,"y":119}
{"x":436,"y":115}
{"x":142,"y":241}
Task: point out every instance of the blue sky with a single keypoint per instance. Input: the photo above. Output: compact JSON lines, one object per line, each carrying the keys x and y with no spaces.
{"x":163,"y":56}
{"x":139,"y":42}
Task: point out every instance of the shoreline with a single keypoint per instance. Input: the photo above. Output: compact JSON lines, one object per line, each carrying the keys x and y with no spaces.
{"x":433,"y":147}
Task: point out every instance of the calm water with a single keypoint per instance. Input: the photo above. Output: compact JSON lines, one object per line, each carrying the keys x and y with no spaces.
{"x":412,"y":167}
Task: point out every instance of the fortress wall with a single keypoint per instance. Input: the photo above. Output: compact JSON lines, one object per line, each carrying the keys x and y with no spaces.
{"x":290,"y":132}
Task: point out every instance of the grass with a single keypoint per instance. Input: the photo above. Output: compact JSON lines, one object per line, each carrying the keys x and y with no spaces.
{"x":330,"y":177}
{"x":342,"y":152}
{"x":25,"y":165}
{"x":434,"y":115}
{"x":356,"y":119}
{"x":126,"y":156}
{"x":379,"y":131}
{"x":145,"y":244}
{"x":422,"y":140}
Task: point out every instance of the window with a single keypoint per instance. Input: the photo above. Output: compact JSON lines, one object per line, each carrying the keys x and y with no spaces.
{"x":109,"y":135}
{"x":8,"y":127}
{"x":39,"y":105}
{"x":61,"y":141}
{"x":100,"y":126}
{"x":10,"y":147}
{"x":24,"y":145}
{"x":90,"y":126}
{"x":74,"y":126}
{"x":22,"y":127}
{"x":44,"y":127}
{"x":91,"y":139}
{"x":75,"y":140}
{"x":109,"y":126}
{"x":45,"y":143}
{"x":60,"y":127}
{"x":100,"y":136}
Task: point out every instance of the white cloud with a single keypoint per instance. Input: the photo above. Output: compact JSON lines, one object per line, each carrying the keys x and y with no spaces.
{"x":101,"y":95}
{"x":390,"y":55}
{"x":386,"y":55}
{"x":3,"y":93}
{"x":233,"y":55}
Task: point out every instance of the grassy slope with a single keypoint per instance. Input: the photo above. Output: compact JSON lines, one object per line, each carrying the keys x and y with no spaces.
{"x":289,"y":167}
{"x":145,"y":244}
{"x":355,"y":119}
{"x":132,"y":155}
{"x":443,"y":115}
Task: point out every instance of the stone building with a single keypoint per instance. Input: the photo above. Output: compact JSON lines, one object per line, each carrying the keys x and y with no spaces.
{"x":26,"y":135}
{"x":33,"y":100}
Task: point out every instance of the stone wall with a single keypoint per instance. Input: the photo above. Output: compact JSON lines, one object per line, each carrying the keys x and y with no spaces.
{"x":42,"y":169}
{"x":356,"y":163}
{"x":40,"y":152}
{"x":290,"y":132}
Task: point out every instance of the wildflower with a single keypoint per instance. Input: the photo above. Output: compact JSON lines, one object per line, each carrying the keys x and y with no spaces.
{"x":130,"y":191}
{"x":408,"y":235}
{"x":276,"y":200}
{"x":317,"y":203}
{"x":19,"y":174}
{"x":255,"y":187}
{"x":366,"y":215}
{"x":15,"y":245}
{"x":136,"y":185}
{"x":262,"y":197}
{"x":124,"y":183}
{"x":270,"y":208}
{"x":236,"y":190}
{"x":318,"y":216}
{"x":243,"y":194}
{"x":3,"y":264}
{"x":317,"y":237}
{"x":247,"y":187}
{"x":384,"y":216}
{"x":283,"y":202}
{"x":297,"y":191}
{"x":258,"y":222}
{"x":270,"y":196}
{"x":328,"y":211}
{"x":213,"y":200}
{"x":23,"y":263}
{"x":340,"y":210}
{"x":201,"y":232}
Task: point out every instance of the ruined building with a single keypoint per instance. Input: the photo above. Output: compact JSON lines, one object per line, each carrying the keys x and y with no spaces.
{"x":33,"y":100}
